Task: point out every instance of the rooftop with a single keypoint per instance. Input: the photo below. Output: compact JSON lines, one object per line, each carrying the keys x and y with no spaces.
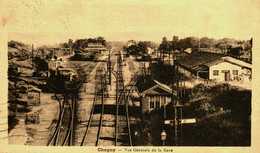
{"x":150,"y":84}
{"x":196,"y":59}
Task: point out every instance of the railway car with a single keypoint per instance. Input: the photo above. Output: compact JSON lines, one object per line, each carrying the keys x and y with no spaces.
{"x":63,"y":79}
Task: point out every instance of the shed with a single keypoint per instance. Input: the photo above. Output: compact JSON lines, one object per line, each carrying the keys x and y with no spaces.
{"x":34,"y":96}
{"x":32,"y":118}
{"x":155,"y":96}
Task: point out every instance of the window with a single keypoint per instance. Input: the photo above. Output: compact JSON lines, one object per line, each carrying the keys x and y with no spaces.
{"x":157,"y":99}
{"x":151,"y":98}
{"x":235,"y":72}
{"x":151,"y":104}
{"x":225,"y":71}
{"x":164,"y":100}
{"x":157,"y":104}
{"x":168,"y":99}
{"x":215,"y":72}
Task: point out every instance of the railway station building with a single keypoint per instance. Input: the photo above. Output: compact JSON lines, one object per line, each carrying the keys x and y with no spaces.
{"x":215,"y":67}
{"x":155,"y":96}
{"x":229,"y":69}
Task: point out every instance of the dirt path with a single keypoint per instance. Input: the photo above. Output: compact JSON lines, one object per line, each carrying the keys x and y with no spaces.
{"x":36,"y":134}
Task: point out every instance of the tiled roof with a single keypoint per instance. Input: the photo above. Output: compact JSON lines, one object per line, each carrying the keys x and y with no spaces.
{"x":154,"y":84}
{"x":230,"y":60}
{"x":197,"y":58}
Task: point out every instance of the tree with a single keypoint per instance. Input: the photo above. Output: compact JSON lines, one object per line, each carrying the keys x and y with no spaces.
{"x":13,"y":72}
{"x":101,"y":40}
{"x":206,"y":42}
{"x":40,"y":64}
{"x":164,"y":47}
{"x":138,"y":48}
{"x":64,"y":45}
{"x":174,"y":43}
{"x":70,"y":42}
{"x":188,"y":42}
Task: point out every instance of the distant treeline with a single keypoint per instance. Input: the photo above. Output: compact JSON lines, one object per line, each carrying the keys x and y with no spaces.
{"x":204,"y":42}
{"x":139,"y":48}
{"x":166,"y":46}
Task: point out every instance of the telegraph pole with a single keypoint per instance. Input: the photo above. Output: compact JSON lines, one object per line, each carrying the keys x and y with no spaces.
{"x":117,"y":90}
{"x":109,"y":67}
{"x":32,"y":54}
{"x":177,"y":102}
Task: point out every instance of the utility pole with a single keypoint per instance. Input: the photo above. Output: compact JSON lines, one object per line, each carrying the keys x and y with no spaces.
{"x":177,"y":103}
{"x":32,"y":54}
{"x":199,"y":47}
{"x":109,"y":67}
{"x":117,"y":90}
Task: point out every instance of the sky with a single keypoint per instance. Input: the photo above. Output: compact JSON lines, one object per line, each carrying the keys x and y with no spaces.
{"x":52,"y":21}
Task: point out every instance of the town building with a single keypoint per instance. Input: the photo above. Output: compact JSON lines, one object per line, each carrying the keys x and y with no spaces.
{"x":67,"y":74}
{"x":229,"y":69}
{"x":53,"y":64}
{"x":155,"y":95}
{"x":32,"y":118}
{"x":215,"y":67}
{"x":130,"y":43}
{"x":34,"y":96}
{"x":95,"y":47}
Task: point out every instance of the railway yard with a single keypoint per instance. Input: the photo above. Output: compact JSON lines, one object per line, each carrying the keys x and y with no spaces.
{"x":112,"y":97}
{"x":95,"y":110}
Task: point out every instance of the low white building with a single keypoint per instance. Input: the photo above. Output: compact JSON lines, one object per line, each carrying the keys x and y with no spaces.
{"x":229,"y":69}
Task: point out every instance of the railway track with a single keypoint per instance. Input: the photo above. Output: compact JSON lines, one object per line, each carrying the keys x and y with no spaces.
{"x":64,"y":128}
{"x":93,"y":138}
{"x":64,"y":131}
{"x":120,"y":121}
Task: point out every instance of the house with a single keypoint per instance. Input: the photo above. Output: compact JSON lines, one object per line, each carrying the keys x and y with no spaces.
{"x":34,"y":96}
{"x":130,"y":43}
{"x":188,"y":51}
{"x":32,"y":118}
{"x":215,"y":67}
{"x":154,"y":95}
{"x":53,"y":64}
{"x":150,"y":50}
{"x":229,"y":69}
{"x":192,"y":64}
{"x":95,"y":47}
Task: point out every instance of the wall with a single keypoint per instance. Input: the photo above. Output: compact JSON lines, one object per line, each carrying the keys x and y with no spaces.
{"x":225,"y":66}
{"x":146,"y":102}
{"x":35,"y":98}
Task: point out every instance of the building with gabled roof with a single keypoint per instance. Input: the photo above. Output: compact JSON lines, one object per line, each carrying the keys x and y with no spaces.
{"x":216,"y":67}
{"x":95,"y":47}
{"x":33,"y":96}
{"x":155,"y":95}
{"x":229,"y":69}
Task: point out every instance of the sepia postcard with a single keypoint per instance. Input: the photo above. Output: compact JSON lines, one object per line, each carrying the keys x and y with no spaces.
{"x":129,"y":76}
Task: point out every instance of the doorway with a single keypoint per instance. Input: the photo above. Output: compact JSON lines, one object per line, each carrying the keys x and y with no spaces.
{"x":227,"y":75}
